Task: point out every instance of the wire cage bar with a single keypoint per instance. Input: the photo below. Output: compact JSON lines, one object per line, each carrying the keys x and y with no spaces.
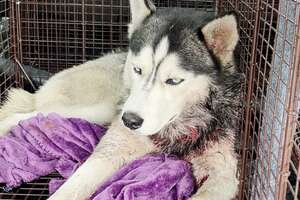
{"x":41,"y":37}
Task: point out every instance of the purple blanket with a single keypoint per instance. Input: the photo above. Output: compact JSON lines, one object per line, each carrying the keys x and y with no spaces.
{"x":155,"y":177}
{"x":43,"y":144}
{"x":40,"y":145}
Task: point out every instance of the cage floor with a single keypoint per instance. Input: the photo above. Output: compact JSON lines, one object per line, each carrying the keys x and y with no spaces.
{"x":36,"y":190}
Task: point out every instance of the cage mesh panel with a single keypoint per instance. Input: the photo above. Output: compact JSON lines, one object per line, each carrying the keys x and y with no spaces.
{"x":58,"y":34}
{"x":268,"y":30}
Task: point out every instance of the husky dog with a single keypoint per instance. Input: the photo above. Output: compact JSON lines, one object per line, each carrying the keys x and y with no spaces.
{"x":176,"y":91}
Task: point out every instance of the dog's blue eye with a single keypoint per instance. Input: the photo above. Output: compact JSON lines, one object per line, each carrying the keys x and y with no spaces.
{"x":137,"y":70}
{"x":174,"y":81}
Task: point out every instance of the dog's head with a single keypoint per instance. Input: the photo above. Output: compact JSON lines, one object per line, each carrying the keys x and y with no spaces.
{"x":175,"y":57}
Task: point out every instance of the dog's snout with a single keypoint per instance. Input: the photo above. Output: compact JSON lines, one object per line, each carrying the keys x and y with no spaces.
{"x":132,"y":120}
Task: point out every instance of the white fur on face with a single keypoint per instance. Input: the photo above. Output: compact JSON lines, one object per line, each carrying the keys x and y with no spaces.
{"x":161,"y":50}
{"x":151,"y":98}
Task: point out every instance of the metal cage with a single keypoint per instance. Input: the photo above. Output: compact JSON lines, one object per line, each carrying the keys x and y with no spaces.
{"x":269,"y":56}
{"x":41,"y":37}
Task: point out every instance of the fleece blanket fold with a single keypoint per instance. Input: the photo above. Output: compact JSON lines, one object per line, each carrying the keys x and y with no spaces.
{"x":44,"y":144}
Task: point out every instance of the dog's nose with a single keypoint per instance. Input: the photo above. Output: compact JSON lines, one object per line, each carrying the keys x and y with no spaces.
{"x":132,"y":121}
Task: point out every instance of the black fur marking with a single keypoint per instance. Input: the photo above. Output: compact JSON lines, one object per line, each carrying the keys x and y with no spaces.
{"x":200,"y":35}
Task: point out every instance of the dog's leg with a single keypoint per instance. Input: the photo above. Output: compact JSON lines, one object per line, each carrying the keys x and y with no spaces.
{"x":216,"y":169}
{"x":116,"y":148}
{"x":101,"y":114}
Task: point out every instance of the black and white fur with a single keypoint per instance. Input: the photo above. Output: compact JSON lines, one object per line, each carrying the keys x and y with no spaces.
{"x":176,"y":91}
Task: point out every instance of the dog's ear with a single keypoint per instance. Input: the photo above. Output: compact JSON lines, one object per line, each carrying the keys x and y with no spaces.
{"x":140,"y":9}
{"x":221,"y":36}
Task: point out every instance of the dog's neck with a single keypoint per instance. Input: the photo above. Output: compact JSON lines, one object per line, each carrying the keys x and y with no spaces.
{"x":183,"y":146}
{"x":195,"y":127}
